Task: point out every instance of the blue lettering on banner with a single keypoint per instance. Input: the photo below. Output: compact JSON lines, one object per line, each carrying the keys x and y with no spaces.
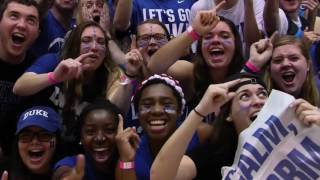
{"x":300,"y":166}
{"x":296,"y":165}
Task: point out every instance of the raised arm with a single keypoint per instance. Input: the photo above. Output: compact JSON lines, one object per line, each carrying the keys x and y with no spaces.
{"x":167,"y":163}
{"x":166,"y":56}
{"x":31,"y":83}
{"x":122,"y":16}
{"x":251,"y":30}
{"x":271,"y":16}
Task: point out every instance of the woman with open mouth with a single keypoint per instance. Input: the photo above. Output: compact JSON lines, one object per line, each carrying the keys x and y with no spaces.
{"x":218,"y":55}
{"x":288,"y":67}
{"x":239,"y":102}
{"x":159,"y":102}
{"x":38,"y":144}
{"x":98,"y":128}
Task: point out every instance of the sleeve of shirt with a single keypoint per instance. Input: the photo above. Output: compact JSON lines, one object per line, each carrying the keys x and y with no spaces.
{"x":44,"y":64}
{"x":258,"y":10}
{"x":283,"y":23}
{"x":67,"y":161}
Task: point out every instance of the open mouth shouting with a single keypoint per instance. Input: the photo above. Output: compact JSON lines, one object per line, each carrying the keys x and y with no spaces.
{"x":288,"y":78}
{"x":216,"y":54}
{"x":36,"y":156}
{"x":18,"y":38}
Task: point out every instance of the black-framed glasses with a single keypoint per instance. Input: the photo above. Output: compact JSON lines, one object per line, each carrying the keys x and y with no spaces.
{"x":42,"y":136}
{"x":159,"y":39}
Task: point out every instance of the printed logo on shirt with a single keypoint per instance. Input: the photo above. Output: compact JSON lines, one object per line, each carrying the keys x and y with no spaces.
{"x":180,"y":1}
{"x":176,"y":20}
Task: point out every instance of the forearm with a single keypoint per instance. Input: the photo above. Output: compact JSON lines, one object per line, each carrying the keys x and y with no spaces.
{"x":251,"y":30}
{"x":122,"y":16}
{"x":116,"y":54}
{"x":169,"y":53}
{"x":125,"y":174}
{"x":167,"y":162}
{"x":271,"y":16}
{"x":31,"y":83}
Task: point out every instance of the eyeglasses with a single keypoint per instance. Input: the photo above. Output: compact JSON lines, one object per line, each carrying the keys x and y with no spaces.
{"x":144,"y":40}
{"x":167,"y":108}
{"x":26,"y":137}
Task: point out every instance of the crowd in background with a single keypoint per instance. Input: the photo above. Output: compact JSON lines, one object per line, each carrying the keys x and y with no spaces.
{"x":146,"y":89}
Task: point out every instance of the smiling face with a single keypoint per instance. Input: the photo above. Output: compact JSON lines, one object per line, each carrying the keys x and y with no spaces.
{"x":290,"y":6}
{"x":93,"y":40}
{"x":247,"y":104}
{"x":36,"y":149}
{"x":289,"y":69}
{"x":19,"y":29}
{"x":218,"y":46}
{"x":151,"y":37}
{"x":158,"y":111}
{"x":98,"y":136}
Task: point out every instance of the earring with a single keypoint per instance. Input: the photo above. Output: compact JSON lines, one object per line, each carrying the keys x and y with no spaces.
{"x":228,"y":119}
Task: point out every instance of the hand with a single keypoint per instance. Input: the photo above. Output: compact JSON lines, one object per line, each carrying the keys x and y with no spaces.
{"x":306,"y":112}
{"x":310,"y":37}
{"x":105,"y":18}
{"x":216,"y":96}
{"x":127,"y":141}
{"x":77,"y":172}
{"x":70,"y":68}
{"x":261,"y":51}
{"x":85,"y":14}
{"x":206,"y":20}
{"x":4,"y":175}
{"x":311,"y":5}
{"x":133,"y":60}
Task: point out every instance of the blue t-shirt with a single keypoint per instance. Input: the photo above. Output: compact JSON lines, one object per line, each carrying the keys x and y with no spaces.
{"x":175,"y":14}
{"x":44,"y":64}
{"x":144,"y":159}
{"x":90,"y":172}
{"x":51,"y":37}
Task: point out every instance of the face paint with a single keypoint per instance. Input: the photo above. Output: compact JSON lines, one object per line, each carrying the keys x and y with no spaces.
{"x":170,"y":109}
{"x":92,"y":42}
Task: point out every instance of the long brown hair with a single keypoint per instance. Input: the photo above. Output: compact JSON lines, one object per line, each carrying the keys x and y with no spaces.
{"x":73,"y":89}
{"x":201,"y":69}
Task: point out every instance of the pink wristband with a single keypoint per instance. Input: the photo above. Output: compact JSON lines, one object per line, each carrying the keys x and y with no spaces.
{"x":252,"y":67}
{"x":193,"y":34}
{"x":51,"y":78}
{"x":126,"y":165}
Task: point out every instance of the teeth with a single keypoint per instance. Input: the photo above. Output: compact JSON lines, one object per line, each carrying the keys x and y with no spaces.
{"x":100,"y":149}
{"x":157,"y":123}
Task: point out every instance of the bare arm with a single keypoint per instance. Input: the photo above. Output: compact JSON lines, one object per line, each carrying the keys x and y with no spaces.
{"x":122,"y":16}
{"x":251,"y":30}
{"x":271,"y":16}
{"x":203,"y":23}
{"x":31,"y":83}
{"x":167,"y":163}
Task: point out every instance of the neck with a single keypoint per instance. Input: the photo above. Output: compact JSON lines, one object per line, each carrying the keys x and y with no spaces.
{"x":63,"y":17}
{"x":218,"y":75}
{"x":9,"y":58}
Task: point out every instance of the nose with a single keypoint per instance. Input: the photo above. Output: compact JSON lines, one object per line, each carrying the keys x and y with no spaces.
{"x":157,"y":109}
{"x":286,"y":63}
{"x":100,"y":137}
{"x":258,"y":102}
{"x":21,"y":24}
{"x":35,"y":140}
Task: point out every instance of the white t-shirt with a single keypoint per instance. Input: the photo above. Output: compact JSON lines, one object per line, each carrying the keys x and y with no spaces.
{"x":236,"y":14}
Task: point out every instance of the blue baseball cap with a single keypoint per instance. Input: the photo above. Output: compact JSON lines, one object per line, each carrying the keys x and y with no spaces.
{"x":40,"y":116}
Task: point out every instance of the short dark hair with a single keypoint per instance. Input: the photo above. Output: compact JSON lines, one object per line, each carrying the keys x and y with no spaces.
{"x":34,"y":3}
